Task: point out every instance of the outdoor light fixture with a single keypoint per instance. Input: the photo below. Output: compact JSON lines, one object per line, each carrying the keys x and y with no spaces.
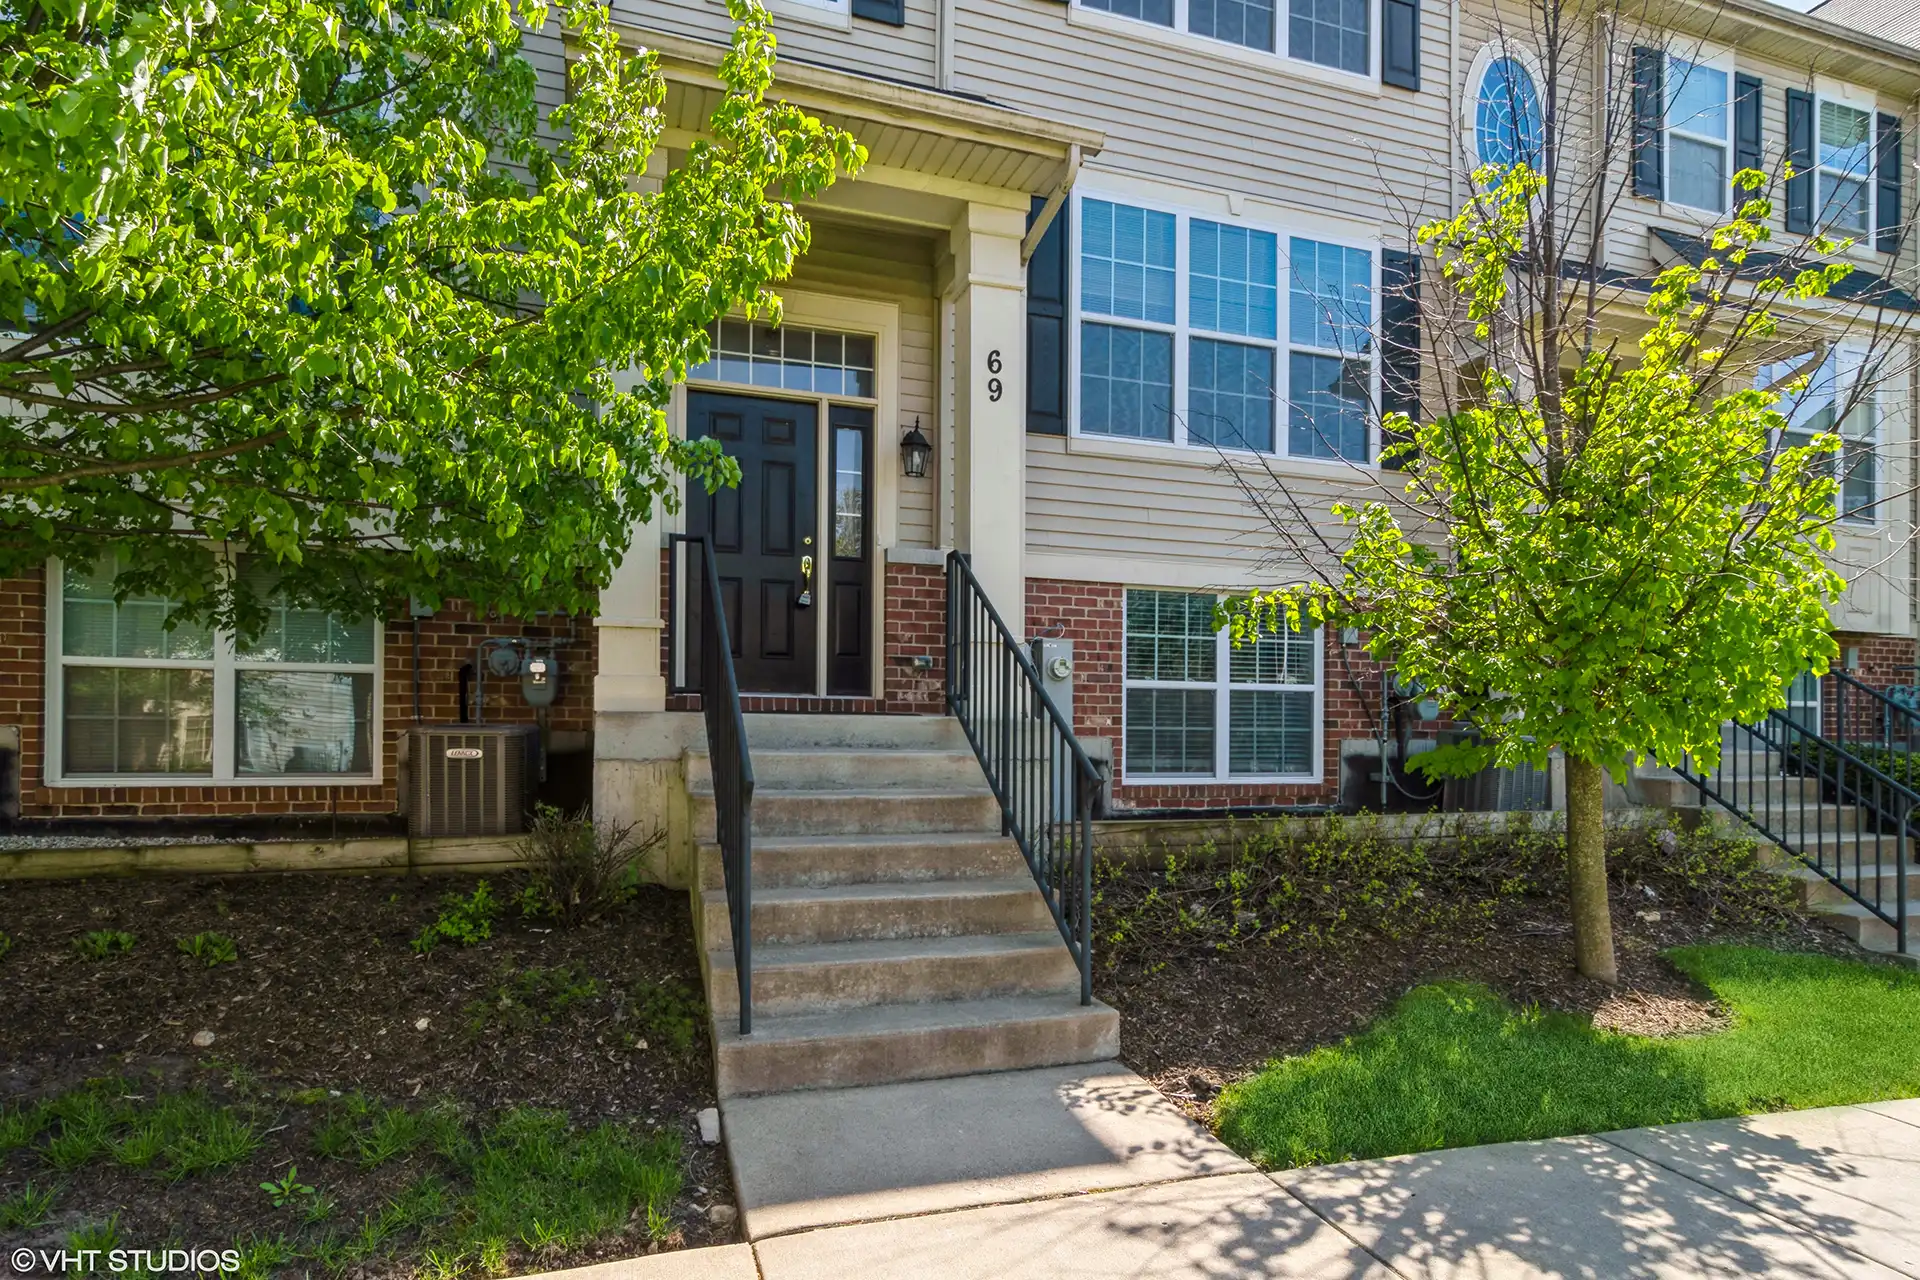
{"x":915,"y":449}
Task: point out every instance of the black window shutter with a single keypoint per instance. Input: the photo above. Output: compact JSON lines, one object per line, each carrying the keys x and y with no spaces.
{"x":1749,"y":138}
{"x":1047,"y":325}
{"x":1649,"y":122}
{"x":1399,"y":340}
{"x":891,"y":12}
{"x":1890,"y":173}
{"x":1800,"y":156}
{"x":1400,"y":43}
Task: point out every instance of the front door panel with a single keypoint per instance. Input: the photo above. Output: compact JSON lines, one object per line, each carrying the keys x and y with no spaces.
{"x":763,"y":534}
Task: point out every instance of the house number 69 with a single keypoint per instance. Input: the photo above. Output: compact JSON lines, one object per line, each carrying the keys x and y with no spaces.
{"x":994,"y":388}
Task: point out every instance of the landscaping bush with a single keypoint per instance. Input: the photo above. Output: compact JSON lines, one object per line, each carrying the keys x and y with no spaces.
{"x":1325,"y":883}
{"x":462,"y":921}
{"x":578,"y":869}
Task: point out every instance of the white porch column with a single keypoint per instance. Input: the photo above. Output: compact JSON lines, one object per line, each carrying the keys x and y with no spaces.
{"x":990,"y":403}
{"x":629,"y":677}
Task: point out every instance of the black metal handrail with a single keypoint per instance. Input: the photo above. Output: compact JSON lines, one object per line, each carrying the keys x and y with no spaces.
{"x":1846,"y":819}
{"x":1863,"y":718}
{"x":1039,"y":773}
{"x":728,"y":758}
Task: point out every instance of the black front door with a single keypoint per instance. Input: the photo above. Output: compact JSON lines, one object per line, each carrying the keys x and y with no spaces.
{"x":763,"y":534}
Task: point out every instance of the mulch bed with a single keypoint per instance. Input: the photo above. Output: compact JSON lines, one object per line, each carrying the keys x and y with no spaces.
{"x":328,"y":994}
{"x":1193,"y":1024}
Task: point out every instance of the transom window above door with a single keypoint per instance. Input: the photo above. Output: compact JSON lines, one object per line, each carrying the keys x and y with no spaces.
{"x":789,"y":357}
{"x":1221,"y":334}
{"x":1326,"y":33}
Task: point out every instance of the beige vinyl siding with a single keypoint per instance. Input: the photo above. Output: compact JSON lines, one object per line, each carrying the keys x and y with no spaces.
{"x":870,"y":48}
{"x":864,"y":262}
{"x":1214,"y":121}
{"x":1177,"y":518}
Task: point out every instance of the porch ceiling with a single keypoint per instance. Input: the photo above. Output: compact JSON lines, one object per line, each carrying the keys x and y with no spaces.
{"x":927,"y":148}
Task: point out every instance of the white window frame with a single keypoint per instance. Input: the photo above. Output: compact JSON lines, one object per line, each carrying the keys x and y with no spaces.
{"x":1711,"y":61}
{"x":1852,"y":363}
{"x":1853,"y":100}
{"x":225,"y":662}
{"x":1182,"y":330}
{"x":1223,"y":687}
{"x":1470,"y":97}
{"x":1179,"y":34}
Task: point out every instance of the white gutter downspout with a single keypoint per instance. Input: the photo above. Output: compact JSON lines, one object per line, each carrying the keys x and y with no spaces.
{"x":943,"y":45}
{"x":1055,"y":199}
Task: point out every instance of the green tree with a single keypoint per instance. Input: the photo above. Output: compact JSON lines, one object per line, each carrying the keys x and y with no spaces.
{"x":1607,"y":552}
{"x":319,"y":280}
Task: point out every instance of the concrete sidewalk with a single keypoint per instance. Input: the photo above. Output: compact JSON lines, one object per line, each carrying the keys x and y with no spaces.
{"x":1833,"y":1192}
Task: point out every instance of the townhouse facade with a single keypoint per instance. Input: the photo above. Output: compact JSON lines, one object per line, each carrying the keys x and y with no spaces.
{"x":1108,"y":260}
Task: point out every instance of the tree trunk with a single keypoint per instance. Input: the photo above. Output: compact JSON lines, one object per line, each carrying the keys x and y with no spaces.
{"x":1587,"y":872}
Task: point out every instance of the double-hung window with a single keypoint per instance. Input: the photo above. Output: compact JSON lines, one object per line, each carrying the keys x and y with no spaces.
{"x":1199,"y":709}
{"x":1836,"y":397}
{"x":1221,"y":334}
{"x":1844,"y":155}
{"x":1699,"y":122}
{"x":132,"y":700}
{"x":1327,"y":33}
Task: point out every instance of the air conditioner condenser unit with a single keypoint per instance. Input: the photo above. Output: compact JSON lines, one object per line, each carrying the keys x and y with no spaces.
{"x":471,"y":779}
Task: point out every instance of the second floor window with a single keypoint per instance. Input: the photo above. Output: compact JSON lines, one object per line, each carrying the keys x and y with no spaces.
{"x":1217,"y":334}
{"x":1845,"y":157}
{"x":1328,"y":33}
{"x":1508,"y":127}
{"x":1699,"y":120}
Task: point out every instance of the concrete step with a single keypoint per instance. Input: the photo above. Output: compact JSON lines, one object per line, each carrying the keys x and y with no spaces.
{"x":1866,"y":929}
{"x":849,"y":768}
{"x":815,"y":977}
{"x":808,"y":812}
{"x":891,"y":1042}
{"x":844,"y":913}
{"x":813,"y":861}
{"x":775,"y":731}
{"x":1876,"y":882}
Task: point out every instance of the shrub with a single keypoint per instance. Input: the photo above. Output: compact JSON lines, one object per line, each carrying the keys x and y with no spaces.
{"x":102,"y":943}
{"x":1300,"y":884}
{"x":668,"y":1012}
{"x":462,"y":921}
{"x":579,"y":869}
{"x":209,"y":949}
{"x":531,"y":997}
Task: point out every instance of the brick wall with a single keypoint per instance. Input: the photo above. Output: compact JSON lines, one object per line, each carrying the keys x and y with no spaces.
{"x":1882,"y":660}
{"x":447,"y":641}
{"x":916,"y":627}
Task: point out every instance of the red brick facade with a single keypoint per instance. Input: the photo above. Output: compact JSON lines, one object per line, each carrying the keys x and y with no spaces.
{"x":914,"y":652}
{"x":447,"y":641}
{"x":1879,"y":660}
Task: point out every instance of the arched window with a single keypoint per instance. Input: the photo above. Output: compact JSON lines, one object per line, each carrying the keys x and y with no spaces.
{"x":1508,"y":128}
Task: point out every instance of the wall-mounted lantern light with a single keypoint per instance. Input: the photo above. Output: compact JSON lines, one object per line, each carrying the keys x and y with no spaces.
{"x":915,"y":449}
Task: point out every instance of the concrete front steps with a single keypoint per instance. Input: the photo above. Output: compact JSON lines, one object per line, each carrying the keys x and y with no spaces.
{"x":897,"y":935}
{"x":1842,"y":839}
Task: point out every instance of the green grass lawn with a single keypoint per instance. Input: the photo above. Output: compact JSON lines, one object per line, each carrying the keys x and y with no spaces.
{"x":1454,"y":1065}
